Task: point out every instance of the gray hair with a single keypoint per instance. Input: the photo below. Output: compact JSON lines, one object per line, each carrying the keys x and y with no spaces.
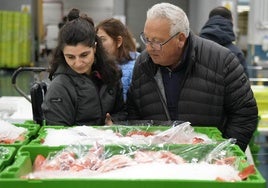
{"x":178,"y":20}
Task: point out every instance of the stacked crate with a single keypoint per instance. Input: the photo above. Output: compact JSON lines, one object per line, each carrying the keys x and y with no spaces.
{"x":8,"y":151}
{"x":15,"y":39}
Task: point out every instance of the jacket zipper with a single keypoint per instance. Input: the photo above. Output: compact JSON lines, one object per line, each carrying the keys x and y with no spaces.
{"x":162,"y":99}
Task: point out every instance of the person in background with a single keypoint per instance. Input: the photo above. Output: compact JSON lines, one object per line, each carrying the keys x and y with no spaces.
{"x":181,"y":76}
{"x":118,"y":42}
{"x":219,"y":28}
{"x":86,"y":87}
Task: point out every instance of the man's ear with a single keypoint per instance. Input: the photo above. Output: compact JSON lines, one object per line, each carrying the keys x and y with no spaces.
{"x":182,"y":39}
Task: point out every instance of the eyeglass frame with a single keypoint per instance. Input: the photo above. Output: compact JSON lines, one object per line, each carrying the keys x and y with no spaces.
{"x":147,"y":42}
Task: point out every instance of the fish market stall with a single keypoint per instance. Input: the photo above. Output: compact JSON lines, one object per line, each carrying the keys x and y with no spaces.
{"x":131,"y":156}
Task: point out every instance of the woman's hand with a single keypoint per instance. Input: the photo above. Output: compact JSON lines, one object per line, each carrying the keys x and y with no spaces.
{"x":108,"y":119}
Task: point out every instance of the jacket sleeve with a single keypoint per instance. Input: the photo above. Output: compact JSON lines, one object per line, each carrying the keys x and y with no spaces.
{"x":239,"y":104}
{"x":243,"y":62}
{"x":132,"y":94}
{"x":119,"y":111}
{"x":59,"y":106}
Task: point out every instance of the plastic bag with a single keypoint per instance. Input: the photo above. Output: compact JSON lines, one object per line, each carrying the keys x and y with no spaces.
{"x":124,"y":162}
{"x":182,"y":133}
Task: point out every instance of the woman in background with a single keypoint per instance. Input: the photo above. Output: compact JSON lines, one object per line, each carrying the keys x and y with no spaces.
{"x":85,"y":87}
{"x":118,"y":42}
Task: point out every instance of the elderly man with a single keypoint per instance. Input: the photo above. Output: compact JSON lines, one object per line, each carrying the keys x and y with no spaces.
{"x":181,"y":76}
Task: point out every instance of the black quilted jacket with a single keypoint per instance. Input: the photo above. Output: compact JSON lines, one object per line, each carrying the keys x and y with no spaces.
{"x":215,"y":92}
{"x":73,"y":99}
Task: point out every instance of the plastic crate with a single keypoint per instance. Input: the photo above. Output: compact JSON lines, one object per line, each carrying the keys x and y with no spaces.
{"x":23,"y":165}
{"x":6,"y":156}
{"x":32,"y":132}
{"x":212,"y":132}
{"x":261,"y":96}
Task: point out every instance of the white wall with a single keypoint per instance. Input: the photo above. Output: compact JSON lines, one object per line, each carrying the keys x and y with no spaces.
{"x":258,"y":21}
{"x":54,"y":10}
{"x":199,"y":10}
{"x":97,"y":9}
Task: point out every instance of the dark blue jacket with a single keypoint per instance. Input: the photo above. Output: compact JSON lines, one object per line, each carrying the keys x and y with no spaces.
{"x":220,"y":30}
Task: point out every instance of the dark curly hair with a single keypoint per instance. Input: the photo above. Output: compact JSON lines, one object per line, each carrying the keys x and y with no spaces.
{"x":79,"y":29}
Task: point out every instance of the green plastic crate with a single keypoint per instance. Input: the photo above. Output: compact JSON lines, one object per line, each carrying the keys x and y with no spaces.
{"x":32,"y":132}
{"x":24,"y":159}
{"x":6,"y":156}
{"x":212,"y":132}
{"x":261,"y":96}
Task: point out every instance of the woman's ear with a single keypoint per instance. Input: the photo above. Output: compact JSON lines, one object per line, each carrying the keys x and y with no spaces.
{"x":119,"y":41}
{"x":95,"y":47}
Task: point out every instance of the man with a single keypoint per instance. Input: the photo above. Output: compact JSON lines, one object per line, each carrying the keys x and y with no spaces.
{"x":219,"y":28}
{"x":181,"y":76}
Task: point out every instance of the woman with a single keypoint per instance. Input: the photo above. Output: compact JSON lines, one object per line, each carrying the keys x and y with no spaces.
{"x":118,"y":42}
{"x":85,"y":87}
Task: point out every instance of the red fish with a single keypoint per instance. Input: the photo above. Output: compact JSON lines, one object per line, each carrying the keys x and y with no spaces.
{"x":246,"y":172}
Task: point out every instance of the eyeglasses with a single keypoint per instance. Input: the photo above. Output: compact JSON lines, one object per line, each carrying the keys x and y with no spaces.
{"x":155,"y":45}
